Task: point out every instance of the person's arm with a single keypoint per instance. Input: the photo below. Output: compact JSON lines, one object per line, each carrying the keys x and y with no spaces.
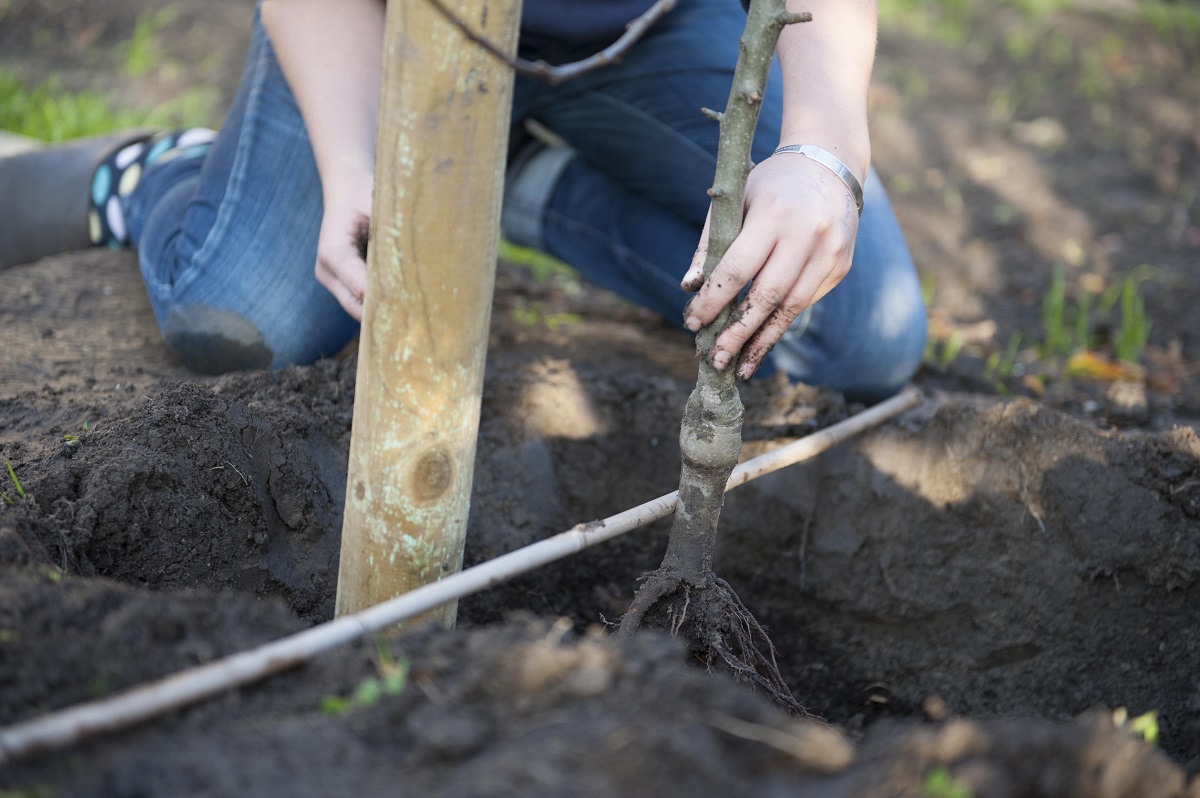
{"x":332,"y":56}
{"x":797,"y":238}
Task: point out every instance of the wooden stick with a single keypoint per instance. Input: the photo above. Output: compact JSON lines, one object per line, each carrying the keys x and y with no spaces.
{"x":67,"y":726}
{"x":557,"y":73}
{"x":443,"y":127}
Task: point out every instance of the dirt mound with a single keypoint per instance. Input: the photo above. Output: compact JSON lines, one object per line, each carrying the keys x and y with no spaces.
{"x":235,"y":486}
{"x":1002,"y":557}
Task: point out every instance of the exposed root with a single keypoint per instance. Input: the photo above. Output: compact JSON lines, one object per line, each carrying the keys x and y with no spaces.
{"x":656,"y":586}
{"x":721,"y":633}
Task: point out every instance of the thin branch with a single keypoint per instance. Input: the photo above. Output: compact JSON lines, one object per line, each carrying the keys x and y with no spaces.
{"x":557,"y":73}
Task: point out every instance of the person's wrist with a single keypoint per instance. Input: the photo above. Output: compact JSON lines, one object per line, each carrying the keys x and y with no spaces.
{"x":830,"y":162}
{"x":856,"y":154}
{"x":347,"y":185}
{"x":843,"y":134}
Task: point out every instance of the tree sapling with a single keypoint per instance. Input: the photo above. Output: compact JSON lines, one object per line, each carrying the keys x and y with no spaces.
{"x":684,"y":595}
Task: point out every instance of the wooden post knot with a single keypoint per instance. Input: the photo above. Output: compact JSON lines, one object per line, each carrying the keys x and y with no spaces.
{"x":432,"y":474}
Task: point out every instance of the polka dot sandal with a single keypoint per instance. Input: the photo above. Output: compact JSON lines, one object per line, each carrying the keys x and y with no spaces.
{"x":118,"y":176}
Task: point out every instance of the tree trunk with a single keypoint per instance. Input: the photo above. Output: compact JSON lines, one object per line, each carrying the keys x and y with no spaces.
{"x":711,"y":434}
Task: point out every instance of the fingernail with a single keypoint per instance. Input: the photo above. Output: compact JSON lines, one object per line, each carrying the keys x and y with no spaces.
{"x":692,"y":323}
{"x":720,"y":360}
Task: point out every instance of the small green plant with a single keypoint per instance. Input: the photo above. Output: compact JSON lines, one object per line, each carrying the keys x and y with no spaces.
{"x":1054,"y":317}
{"x":1068,"y":325}
{"x":1083,"y":320}
{"x":951,"y":349}
{"x":928,"y":289}
{"x":941,"y":354}
{"x":1001,"y":365}
{"x":940,"y":784}
{"x":1134,"y":330}
{"x":12,"y":474}
{"x":71,"y":439}
{"x":392,"y":679}
{"x":1146,"y":727}
{"x":53,"y":573}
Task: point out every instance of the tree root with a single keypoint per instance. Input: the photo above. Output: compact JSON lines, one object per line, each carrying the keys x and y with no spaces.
{"x":720,"y":632}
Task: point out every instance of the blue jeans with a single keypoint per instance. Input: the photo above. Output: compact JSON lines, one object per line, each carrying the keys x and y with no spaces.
{"x":228,"y":243}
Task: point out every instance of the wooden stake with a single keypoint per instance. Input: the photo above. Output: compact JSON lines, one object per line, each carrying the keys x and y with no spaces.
{"x":443,"y":131}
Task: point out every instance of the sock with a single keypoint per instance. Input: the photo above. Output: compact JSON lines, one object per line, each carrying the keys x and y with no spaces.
{"x":116,"y":178}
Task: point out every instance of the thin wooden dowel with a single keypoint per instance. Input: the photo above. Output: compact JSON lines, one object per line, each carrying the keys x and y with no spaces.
{"x":70,"y":725}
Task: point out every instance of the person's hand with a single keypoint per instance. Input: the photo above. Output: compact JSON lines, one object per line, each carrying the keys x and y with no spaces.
{"x":342,"y":243}
{"x":796,"y":244}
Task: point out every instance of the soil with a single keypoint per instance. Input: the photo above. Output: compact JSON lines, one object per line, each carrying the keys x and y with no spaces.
{"x":971,"y":599}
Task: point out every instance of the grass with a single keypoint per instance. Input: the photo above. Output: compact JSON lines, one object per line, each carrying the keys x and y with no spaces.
{"x":1134,"y":329}
{"x":51,"y":112}
{"x":1028,"y":36}
{"x":1173,"y":20}
{"x":142,"y":51}
{"x":1000,"y":366}
{"x":1086,"y":333}
{"x":20,"y":490}
{"x":544,"y":268}
{"x":1095,"y":335}
{"x":1069,"y":325}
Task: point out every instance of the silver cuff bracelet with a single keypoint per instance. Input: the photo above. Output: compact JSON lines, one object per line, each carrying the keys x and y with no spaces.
{"x":830,"y":162}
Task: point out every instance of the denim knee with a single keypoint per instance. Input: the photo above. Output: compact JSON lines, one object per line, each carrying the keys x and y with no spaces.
{"x":868,"y":361}
{"x":214,"y":340}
